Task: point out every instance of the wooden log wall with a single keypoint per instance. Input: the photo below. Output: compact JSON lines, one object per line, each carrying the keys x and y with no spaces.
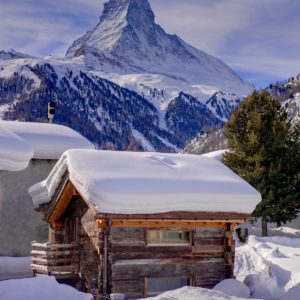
{"x":130,"y":261}
{"x":207,"y":260}
{"x":88,"y":242}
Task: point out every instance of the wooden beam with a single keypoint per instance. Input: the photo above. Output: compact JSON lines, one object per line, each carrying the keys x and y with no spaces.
{"x":61,"y":203}
{"x":180,"y":215}
{"x":103,"y":223}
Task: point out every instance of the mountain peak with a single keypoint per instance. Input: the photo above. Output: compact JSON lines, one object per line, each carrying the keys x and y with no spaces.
{"x":119,"y":18}
{"x":134,"y":11}
{"x":128,"y":34}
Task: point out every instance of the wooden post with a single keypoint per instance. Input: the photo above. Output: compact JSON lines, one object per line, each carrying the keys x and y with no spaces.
{"x":106,"y":233}
{"x":101,"y":259}
{"x":228,"y":251}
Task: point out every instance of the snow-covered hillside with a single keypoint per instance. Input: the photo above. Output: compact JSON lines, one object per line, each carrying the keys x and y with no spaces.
{"x":287,"y":93}
{"x":12,"y":54}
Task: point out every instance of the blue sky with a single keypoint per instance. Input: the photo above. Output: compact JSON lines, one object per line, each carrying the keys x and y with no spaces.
{"x":259,"y":39}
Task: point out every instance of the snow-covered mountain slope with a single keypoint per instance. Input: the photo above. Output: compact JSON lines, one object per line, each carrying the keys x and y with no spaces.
{"x":222,"y":104}
{"x":207,"y":142}
{"x":287,"y":92}
{"x":107,"y":114}
{"x":126,"y":84}
{"x":129,"y":39}
{"x":12,"y":54}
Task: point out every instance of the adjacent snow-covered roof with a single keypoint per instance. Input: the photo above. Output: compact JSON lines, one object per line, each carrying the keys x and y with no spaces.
{"x":130,"y":182}
{"x":15,"y":153}
{"x":49,"y":141}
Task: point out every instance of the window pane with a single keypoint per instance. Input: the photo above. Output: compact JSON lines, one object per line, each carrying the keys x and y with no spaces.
{"x":168,"y":237}
{"x":159,"y":285}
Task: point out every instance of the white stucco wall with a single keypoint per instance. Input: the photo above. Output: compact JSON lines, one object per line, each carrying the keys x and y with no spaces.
{"x":19,"y":223}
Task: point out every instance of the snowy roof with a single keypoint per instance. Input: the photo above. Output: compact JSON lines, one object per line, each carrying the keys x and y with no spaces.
{"x":15,"y":153}
{"x":216,"y":154}
{"x":132,"y":183}
{"x":49,"y":141}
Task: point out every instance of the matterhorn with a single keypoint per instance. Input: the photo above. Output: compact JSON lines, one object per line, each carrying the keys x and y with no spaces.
{"x":125,"y":85}
{"x":129,"y":38}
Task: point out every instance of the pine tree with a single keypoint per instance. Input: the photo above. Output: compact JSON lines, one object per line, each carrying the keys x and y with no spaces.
{"x":265,"y":153}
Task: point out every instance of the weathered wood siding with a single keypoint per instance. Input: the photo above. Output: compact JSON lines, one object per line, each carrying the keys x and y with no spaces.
{"x":131,"y":260}
{"x":88,"y":240}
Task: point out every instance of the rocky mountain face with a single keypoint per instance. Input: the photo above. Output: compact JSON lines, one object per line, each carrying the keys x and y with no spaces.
{"x":128,"y":33}
{"x":125,"y":85}
{"x":207,"y":142}
{"x":288,"y":93}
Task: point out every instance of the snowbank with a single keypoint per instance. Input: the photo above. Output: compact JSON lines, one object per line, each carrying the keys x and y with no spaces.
{"x":292,"y":294}
{"x":269,"y":266}
{"x":15,"y":267}
{"x":49,"y":141}
{"x":38,"y":288}
{"x":127,"y":182}
{"x":15,"y":153}
{"x":194,"y":293}
{"x":233,"y":287}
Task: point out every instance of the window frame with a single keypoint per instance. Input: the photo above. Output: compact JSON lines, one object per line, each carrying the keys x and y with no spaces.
{"x":153,"y":294}
{"x":188,"y":244}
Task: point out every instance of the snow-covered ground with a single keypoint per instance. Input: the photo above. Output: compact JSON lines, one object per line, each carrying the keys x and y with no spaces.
{"x":194,"y":293}
{"x":266,"y":267}
{"x":14,"y":268}
{"x":270,"y":266}
{"x":37,"y":288}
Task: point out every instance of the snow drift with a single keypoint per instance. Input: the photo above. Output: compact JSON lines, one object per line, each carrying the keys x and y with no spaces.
{"x":38,"y":288}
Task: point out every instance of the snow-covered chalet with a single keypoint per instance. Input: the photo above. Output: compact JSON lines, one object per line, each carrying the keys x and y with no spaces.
{"x":139,"y":223}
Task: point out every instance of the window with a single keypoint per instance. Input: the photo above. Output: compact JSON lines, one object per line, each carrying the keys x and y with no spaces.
{"x":164,"y":237}
{"x":155,"y":286}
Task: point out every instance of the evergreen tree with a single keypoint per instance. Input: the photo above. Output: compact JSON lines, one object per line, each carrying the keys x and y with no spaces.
{"x":266,"y":154}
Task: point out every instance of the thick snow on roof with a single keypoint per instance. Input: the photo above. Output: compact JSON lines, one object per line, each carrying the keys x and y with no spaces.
{"x":130,"y":182}
{"x":49,"y":141}
{"x":216,"y":154}
{"x":15,"y":153}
